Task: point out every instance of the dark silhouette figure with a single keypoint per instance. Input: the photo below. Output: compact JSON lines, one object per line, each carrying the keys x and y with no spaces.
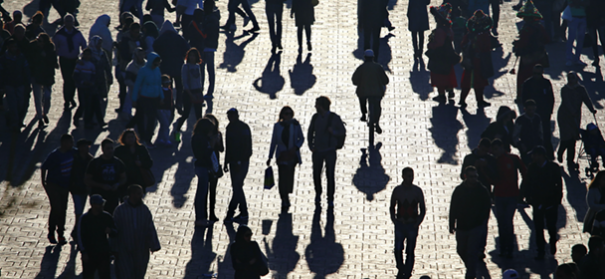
{"x":48,"y":266}
{"x":370,"y":177}
{"x":283,"y":256}
{"x":420,"y":79}
{"x":301,"y":76}
{"x":324,"y":255}
{"x":445,"y":132}
{"x":202,"y":255}
{"x":475,"y":125}
{"x":234,"y":53}
{"x":271,"y":81}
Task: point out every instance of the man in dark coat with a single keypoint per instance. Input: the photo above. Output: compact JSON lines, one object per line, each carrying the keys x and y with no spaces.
{"x":371,"y":82}
{"x":540,"y":90}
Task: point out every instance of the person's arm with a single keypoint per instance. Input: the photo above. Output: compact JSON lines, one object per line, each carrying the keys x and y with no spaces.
{"x":311,"y":134}
{"x":273,"y":144}
{"x":154,"y":244}
{"x":453,"y":211}
{"x":393,"y":206}
{"x":422,"y":207}
{"x":300,"y":139}
{"x":587,"y":101}
{"x":145,"y":158}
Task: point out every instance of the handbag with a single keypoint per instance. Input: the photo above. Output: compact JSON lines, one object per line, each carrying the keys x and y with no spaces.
{"x":147,"y":177}
{"x":269,"y":180}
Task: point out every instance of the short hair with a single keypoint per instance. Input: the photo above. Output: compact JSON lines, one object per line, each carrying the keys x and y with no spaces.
{"x":569,"y":269}
{"x":135,"y":25}
{"x":595,"y":242}
{"x":107,"y":141}
{"x":65,"y":137}
{"x":497,"y":143}
{"x":323,"y":102}
{"x":407,"y":169}
{"x":485,"y":142}
{"x":134,"y":187}
{"x":469,"y":169}
{"x":579,"y":248}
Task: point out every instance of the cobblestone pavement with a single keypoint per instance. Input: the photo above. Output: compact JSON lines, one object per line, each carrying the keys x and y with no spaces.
{"x":354,"y":240}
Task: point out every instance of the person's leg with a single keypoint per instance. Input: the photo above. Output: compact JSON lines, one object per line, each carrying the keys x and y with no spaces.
{"x":81,"y":106}
{"x":243,"y":205}
{"x":46,"y":98}
{"x":330,"y":168}
{"x":88,"y":106}
{"x":270,"y":12}
{"x":209,"y":63}
{"x":500,"y":207}
{"x":63,"y":199}
{"x":281,"y":183}
{"x":367,"y":38}
{"x":580,"y":40}
{"x":151,"y":112}
{"x":69,"y":84}
{"x":186,"y":111}
{"x":571,"y":151}
{"x":551,"y":215}
{"x":299,"y":34}
{"x":238,"y":174}
{"x":54,"y":200}
{"x":463,"y":94}
{"x":89,"y":267}
{"x":495,"y":5}
{"x":420,"y":43}
{"x":104,"y":266}
{"x":246,"y":7}
{"x":318,"y":161}
{"x":474,"y":245}
{"x":462,"y":243}
{"x":479,"y":95}
{"x":571,"y":37}
{"x":213,"y":181}
{"x":198,"y":111}
{"x":399,"y":245}
{"x":38,"y":99}
{"x":415,"y":42}
{"x":308,"y":34}
{"x":539,"y":229}
{"x":363,"y":105}
{"x":278,"y":23}
{"x":180,"y":99}
{"x":95,"y":106}
{"x":164,"y":117}
{"x":201,"y":211}
{"x":11,"y":104}
{"x":412,"y":234}
{"x":375,"y":102}
{"x":595,"y":47}
{"x":601,"y":31}
{"x":547,"y":136}
{"x":376,"y":41}
{"x":79,"y":203}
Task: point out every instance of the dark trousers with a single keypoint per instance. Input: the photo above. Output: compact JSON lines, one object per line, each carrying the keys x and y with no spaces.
{"x":68,"y":66}
{"x":122,"y":92}
{"x":89,"y":105}
{"x":187,"y":104}
{"x":478,"y":94}
{"x":233,"y":8}
{"x":495,"y":5}
{"x":505,"y":213}
{"x":329,"y":157}
{"x":598,"y":32}
{"x":58,"y":197}
{"x":570,"y":146}
{"x":212,"y":183}
{"x":547,"y":136}
{"x":97,"y":262}
{"x":405,"y":232}
{"x":146,"y":117}
{"x":286,"y":182}
{"x":299,"y":34}
{"x":548,"y":214}
{"x":372,"y":34}
{"x":418,"y":42}
{"x":274,"y":17}
{"x":238,"y":175}
{"x":469,"y":245}
{"x":375,"y":107}
{"x":178,"y":85}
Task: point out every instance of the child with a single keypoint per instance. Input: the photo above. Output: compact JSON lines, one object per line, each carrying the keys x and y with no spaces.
{"x":84,"y":76}
{"x":165,"y":112}
{"x":594,"y":144}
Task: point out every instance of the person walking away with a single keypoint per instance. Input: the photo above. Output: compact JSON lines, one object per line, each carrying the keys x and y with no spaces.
{"x":323,"y":139}
{"x":246,"y":256}
{"x":595,"y":199}
{"x":94,"y":231}
{"x":185,"y":9}
{"x":214,"y":177}
{"x":477,"y":46}
{"x":483,"y":161}
{"x":594,"y":144}
{"x":146,"y":95}
{"x":440,"y":46}
{"x":576,"y":32}
{"x":157,"y":8}
{"x":106,"y":176}
{"x":591,"y":265}
{"x":406,"y":200}
{"x":150,"y":33}
{"x":286,"y":141}
{"x":569,"y":117}
{"x":78,"y":189}
{"x":238,"y":139}
{"x":135,"y":157}
{"x":502,"y":128}
{"x":100,"y":57}
{"x":173,"y":49}
{"x":371,"y":81}
{"x":469,"y":214}
{"x":274,"y":10}
{"x":88,"y":97}
{"x":68,"y":42}
{"x":595,"y":21}
{"x":56,"y":171}
{"x":506,"y":195}
{"x":205,"y":164}
{"x":17,"y":19}
{"x":15,"y":81}
{"x":539,"y":89}
{"x":233,"y":7}
{"x":305,"y":17}
{"x":44,"y":63}
{"x":418,"y":22}
{"x":126,"y":19}
{"x":136,"y":237}
{"x":211,"y":32}
{"x":372,"y":16}
{"x":528,"y":131}
{"x":35,"y":27}
{"x":101,"y":28}
{"x":542,"y":188}
{"x":165,"y":112}
{"x":193,"y":86}
{"x":130,"y":77}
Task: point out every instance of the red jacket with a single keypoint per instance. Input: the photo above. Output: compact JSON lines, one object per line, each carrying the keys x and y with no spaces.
{"x":506,"y":183}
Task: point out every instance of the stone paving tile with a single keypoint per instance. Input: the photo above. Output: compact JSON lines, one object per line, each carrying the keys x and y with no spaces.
{"x":353,"y":241}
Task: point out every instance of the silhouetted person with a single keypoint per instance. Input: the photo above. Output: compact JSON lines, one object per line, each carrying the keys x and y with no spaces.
{"x":372,"y":17}
{"x":591,"y":265}
{"x":440,"y":45}
{"x":78,"y":189}
{"x":477,"y":43}
{"x":238,"y":139}
{"x":595,"y":199}
{"x":105,"y":176}
{"x":304,"y":12}
{"x":232,"y":6}
{"x":206,"y":164}
{"x":218,"y":147}
{"x":528,"y":130}
{"x":371,"y":82}
{"x":578,"y":252}
{"x":68,"y":41}
{"x":539,"y":88}
{"x":502,"y":128}
{"x":246,"y":255}
{"x":567,"y":271}
{"x":135,"y":157}
{"x":481,"y":159}
{"x":274,"y":10}
{"x":15,"y":82}
{"x":418,"y":22}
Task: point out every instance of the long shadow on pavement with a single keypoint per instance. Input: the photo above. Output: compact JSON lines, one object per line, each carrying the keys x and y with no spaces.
{"x":475,"y":124}
{"x":301,"y":75}
{"x":234,"y":53}
{"x":370,"y":178}
{"x":420,"y":79}
{"x":48,"y":266}
{"x":324,"y":255}
{"x":271,"y":80}
{"x":202,"y":255}
{"x":576,"y":193}
{"x":283,"y":256}
{"x":225,"y":266}
{"x":444,"y":131}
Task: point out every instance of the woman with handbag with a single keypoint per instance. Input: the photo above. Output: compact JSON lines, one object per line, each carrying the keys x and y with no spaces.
{"x":246,"y":256}
{"x":136,"y":159}
{"x":193,"y":84}
{"x":218,"y":147}
{"x":477,"y":61}
{"x":206,"y":165}
{"x":285,"y":144}
{"x":441,"y":53}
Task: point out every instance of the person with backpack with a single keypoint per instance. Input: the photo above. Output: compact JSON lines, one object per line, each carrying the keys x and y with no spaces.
{"x":326,"y":134}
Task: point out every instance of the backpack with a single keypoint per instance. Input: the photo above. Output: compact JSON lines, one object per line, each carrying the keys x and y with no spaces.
{"x":340,"y":140}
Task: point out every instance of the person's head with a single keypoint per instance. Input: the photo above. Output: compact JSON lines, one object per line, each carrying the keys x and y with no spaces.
{"x":193,"y":56}
{"x":127,"y":22}
{"x":150,"y":29}
{"x":233,"y":115}
{"x":11,"y":46}
{"x":45,"y":41}
{"x":17,"y":16}
{"x":593,"y":129}
{"x":166,"y":81}
{"x":135,"y":194}
{"x":135,"y":30}
{"x":368,"y":55}
{"x":38,"y":18}
{"x":68,"y":21}
{"x":566,"y":271}
{"x":107,"y":148}
{"x":484,"y":146}
{"x":538,"y":70}
{"x":96,"y":204}
{"x":67,"y":142}
{"x":598,"y":181}
{"x":286,"y":114}
{"x":19,"y":32}
{"x":530,"y":107}
{"x":408,"y":175}
{"x":243,"y":235}
{"x":505,"y":115}
{"x":510,"y":274}
{"x":578,"y":252}
{"x":203,"y":126}
{"x":214,"y":121}
{"x":129,"y":138}
{"x":83,"y":146}
{"x":96,"y":43}
{"x":471,"y":176}
{"x":572,"y":78}
{"x":596,"y":246}
{"x":147,"y":18}
{"x":87,"y":54}
{"x":497,"y":147}
{"x":538,"y":155}
{"x":209,"y":6}
{"x":322,"y":104}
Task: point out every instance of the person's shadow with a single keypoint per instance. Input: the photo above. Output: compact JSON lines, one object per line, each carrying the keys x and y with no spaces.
{"x":420,"y":79}
{"x":301,"y":75}
{"x":283,"y":256}
{"x":202,"y":255}
{"x":70,"y":267}
{"x":475,"y":125}
{"x":370,"y":177}
{"x":271,"y":81}
{"x":185,"y":170}
{"x":385,"y":52}
{"x":234,"y":53}
{"x":48,"y":266}
{"x":444,"y":131}
{"x":576,"y":193}
{"x":324,"y":255}
{"x":225,"y":266}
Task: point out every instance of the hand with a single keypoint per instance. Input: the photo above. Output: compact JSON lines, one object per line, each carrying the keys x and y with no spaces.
{"x":85,"y":257}
{"x":107,"y":230}
{"x":452,"y":230}
{"x":269,"y":162}
{"x":226,"y":168}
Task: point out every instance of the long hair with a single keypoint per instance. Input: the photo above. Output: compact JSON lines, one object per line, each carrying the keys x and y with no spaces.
{"x":203,"y":126}
{"x":126,"y":132}
{"x":214,"y":121}
{"x":48,"y":41}
{"x":595,"y":183}
{"x":196,"y":52}
{"x":283,"y":111}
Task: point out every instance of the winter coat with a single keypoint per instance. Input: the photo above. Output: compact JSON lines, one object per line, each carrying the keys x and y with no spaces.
{"x":569,"y":115}
{"x":43,"y":63}
{"x":149,"y":81}
{"x":172,"y":47}
{"x":100,"y":28}
{"x":370,"y":79}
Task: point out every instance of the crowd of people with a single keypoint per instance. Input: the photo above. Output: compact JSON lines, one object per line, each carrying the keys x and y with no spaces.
{"x":162,"y":71}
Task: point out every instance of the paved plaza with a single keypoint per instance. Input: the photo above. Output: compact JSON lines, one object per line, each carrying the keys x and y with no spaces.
{"x":355,"y":239}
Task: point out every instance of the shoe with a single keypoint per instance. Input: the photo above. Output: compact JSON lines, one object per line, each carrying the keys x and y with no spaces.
{"x":309,"y":48}
{"x":62,"y":240}
{"x":208,"y":97}
{"x":254,"y":29}
{"x":462,"y":104}
{"x":391,"y":28}
{"x":484,"y":104}
{"x":41,"y":124}
{"x":439,"y":98}
{"x":246,"y":21}
{"x":595,"y":63}
{"x":553,"y":247}
{"x":213,"y":218}
{"x":378,"y":129}
{"x":45,"y":118}
{"x":363,"y":118}
{"x":103,"y":124}
{"x":240,"y":218}
{"x":51,"y":238}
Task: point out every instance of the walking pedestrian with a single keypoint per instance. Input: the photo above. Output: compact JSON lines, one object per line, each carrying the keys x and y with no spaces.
{"x":68,"y":42}
{"x":592,"y":264}
{"x":286,"y":141}
{"x":477,"y":49}
{"x":101,"y":28}
{"x":165,"y":112}
{"x":371,"y":81}
{"x":407,"y":200}
{"x":539,"y":89}
{"x":274,"y":10}
{"x":595,"y":199}
{"x":595,"y":21}
{"x":305,"y":17}
{"x":193,"y":86}
{"x":136,"y":237}
{"x":211,"y":32}
{"x":147,"y":94}
{"x":44,"y":63}
{"x":441,"y":53}
{"x":372,"y":16}
{"x":205,"y":163}
{"x":150,"y":33}
{"x":15,"y":80}
{"x":94,"y":231}
{"x":88,"y":95}
{"x":469,"y":214}
{"x":130,"y":74}
{"x":238,"y":139}
{"x":78,"y":189}
{"x":482,"y":159}
{"x":157,"y":8}
{"x":135,"y":157}
{"x":502,"y":128}
{"x":543,"y":190}
{"x":100,"y":57}
{"x":576,"y":31}
{"x":418,"y":22}
{"x":233,"y":8}
{"x":17,"y":19}
{"x":323,"y":138}
{"x":106,"y":176}
{"x":217,"y":140}
{"x":528,"y":131}
{"x":35,"y":27}
{"x":56,"y":171}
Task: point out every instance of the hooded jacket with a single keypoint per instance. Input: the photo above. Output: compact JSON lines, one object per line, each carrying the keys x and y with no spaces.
{"x":100,"y":28}
{"x":149,"y":81}
{"x":172,"y":48}
{"x":242,"y":253}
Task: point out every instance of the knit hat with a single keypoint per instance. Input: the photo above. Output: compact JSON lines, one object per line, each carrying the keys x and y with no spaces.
{"x":510,"y":274}
{"x":479,"y":22}
{"x":442,"y":13}
{"x":529,"y":10}
{"x":591,"y":127}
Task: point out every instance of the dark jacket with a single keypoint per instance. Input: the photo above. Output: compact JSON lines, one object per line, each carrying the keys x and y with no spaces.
{"x":14,"y":70}
{"x":202,"y":151}
{"x":43,"y":63}
{"x":469,"y":207}
{"x":500,"y":129}
{"x":133,"y":172}
{"x":172,"y":48}
{"x":528,"y":132}
{"x":540,"y":90}
{"x":242,"y":253}
{"x":238,"y":139}
{"x":318,"y":137}
{"x":210,"y":28}
{"x":78,"y":172}
{"x":92,"y":237}
{"x":487,"y":172}
{"x":591,"y":267}
{"x":370,"y":79}
{"x":543,"y":185}
{"x":103,"y":78}
{"x":127,"y":47}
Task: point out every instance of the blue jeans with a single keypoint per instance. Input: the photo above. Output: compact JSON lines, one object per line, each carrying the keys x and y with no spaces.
{"x":41,"y":99}
{"x":238,"y":175}
{"x":576,"y":31}
{"x":469,"y":245}
{"x":505,"y":212}
{"x":403,"y":232}
{"x":208,"y":63}
{"x":329,"y":157}
{"x":79,"y":203}
{"x":201,"y":212}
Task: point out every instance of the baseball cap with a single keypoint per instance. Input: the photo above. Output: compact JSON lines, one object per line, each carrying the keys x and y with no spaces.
{"x":96,"y":199}
{"x":232,"y":110}
{"x":510,"y":274}
{"x":368,"y":53}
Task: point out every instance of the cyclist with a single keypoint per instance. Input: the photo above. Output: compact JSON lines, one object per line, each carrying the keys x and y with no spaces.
{"x":371,"y":81}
